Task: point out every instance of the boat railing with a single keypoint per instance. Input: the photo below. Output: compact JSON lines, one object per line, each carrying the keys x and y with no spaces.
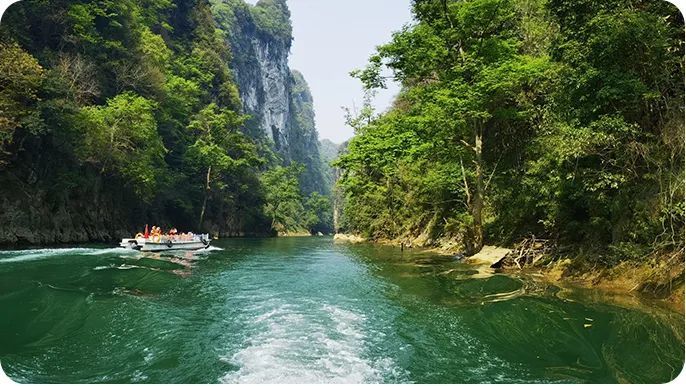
{"x":186,"y":238}
{"x":178,"y":238}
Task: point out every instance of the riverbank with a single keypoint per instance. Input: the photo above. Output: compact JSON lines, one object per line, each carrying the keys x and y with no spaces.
{"x":660,"y":276}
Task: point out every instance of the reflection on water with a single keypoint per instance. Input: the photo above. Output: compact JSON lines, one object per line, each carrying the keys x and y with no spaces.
{"x":570,"y":335}
{"x":306,"y":310}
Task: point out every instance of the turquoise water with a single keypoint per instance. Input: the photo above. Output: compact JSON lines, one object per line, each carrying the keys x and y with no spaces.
{"x":304,"y":310}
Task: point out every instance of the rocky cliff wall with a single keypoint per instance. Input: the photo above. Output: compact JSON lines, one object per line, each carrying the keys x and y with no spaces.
{"x":260,"y":64}
{"x":277,"y":98}
{"x":303,"y":137}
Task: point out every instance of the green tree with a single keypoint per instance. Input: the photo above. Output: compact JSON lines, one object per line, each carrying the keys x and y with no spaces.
{"x":283,"y":199}
{"x":218,"y":148}
{"x":318,"y":213}
{"x":140,"y":92}
{"x":121,"y":138}
{"x":559,"y":118}
{"x":273,"y":17}
{"x":468,"y":82}
{"x":20,"y":79}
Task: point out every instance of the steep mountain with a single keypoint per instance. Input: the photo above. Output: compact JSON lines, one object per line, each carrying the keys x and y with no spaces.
{"x":114,"y":114}
{"x":303,"y":143}
{"x":260,"y":40}
{"x":277,"y":98}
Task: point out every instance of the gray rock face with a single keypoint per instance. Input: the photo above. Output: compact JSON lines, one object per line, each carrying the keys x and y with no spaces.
{"x":304,"y":141}
{"x":266,"y":96}
{"x":277,"y":98}
{"x":260,"y":65}
{"x":89,"y":214}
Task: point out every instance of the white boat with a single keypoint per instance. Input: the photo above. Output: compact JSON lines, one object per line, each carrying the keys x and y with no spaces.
{"x":167,"y":243}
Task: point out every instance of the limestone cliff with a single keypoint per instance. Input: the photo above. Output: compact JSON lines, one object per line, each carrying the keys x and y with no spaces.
{"x":277,"y":99}
{"x":260,"y":64}
{"x":302,"y":133}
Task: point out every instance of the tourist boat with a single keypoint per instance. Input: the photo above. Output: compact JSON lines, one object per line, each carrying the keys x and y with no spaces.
{"x":166,"y":243}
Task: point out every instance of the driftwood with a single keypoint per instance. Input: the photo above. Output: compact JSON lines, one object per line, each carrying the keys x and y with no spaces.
{"x":528,"y":252}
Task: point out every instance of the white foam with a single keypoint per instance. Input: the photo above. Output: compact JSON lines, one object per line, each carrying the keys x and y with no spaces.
{"x":149,"y":355}
{"x":209,"y":249}
{"x":103,"y":267}
{"x":138,"y":377}
{"x":288,"y":344}
{"x":46,"y":251}
{"x":127,"y":267}
{"x":38,"y":254}
{"x":110,"y":250}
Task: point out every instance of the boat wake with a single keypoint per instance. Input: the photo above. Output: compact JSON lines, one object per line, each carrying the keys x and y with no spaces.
{"x":208,"y":249}
{"x":21,"y":255}
{"x":46,"y":253}
{"x":289,"y":344}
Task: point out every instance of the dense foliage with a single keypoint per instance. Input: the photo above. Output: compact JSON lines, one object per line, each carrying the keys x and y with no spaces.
{"x":270,"y":18}
{"x":285,"y":206}
{"x":559,"y":118}
{"x":139,"y":97}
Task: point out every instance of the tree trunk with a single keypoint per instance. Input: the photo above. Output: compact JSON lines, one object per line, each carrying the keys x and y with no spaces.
{"x":474,"y":238}
{"x":207,"y":193}
{"x":478,"y":197}
{"x":337,"y":201}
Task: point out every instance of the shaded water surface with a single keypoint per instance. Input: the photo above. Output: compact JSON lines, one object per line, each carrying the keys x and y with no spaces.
{"x":302,"y":310}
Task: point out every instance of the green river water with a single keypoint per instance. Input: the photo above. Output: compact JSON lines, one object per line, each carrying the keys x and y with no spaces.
{"x":306,"y":310}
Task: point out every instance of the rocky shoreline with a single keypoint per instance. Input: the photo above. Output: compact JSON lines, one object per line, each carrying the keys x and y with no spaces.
{"x":660,"y":278}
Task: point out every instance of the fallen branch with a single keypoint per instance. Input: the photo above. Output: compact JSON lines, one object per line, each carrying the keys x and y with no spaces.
{"x":529,"y":252}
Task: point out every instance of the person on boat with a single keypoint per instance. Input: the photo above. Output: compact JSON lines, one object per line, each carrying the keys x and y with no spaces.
{"x":155,"y":234}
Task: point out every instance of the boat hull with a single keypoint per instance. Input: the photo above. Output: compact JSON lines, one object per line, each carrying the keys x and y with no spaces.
{"x":144,"y":245}
{"x":174,"y":246}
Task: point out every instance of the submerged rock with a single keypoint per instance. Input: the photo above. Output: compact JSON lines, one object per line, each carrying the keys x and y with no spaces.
{"x":489,"y":255}
{"x":344,"y":238}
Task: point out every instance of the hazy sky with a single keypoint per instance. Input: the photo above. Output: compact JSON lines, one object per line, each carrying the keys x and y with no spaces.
{"x":333,"y":37}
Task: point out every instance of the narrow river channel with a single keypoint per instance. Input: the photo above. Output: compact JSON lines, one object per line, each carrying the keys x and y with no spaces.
{"x":306,"y":310}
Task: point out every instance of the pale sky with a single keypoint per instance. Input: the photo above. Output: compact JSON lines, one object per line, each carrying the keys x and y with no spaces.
{"x":334,"y":37}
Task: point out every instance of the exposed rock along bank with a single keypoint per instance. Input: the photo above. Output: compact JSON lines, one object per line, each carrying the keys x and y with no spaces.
{"x":661,"y":278}
{"x":345,"y":238}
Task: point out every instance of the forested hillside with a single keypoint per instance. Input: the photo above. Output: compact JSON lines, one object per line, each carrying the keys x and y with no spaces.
{"x":114,"y":114}
{"x":562,"y":119}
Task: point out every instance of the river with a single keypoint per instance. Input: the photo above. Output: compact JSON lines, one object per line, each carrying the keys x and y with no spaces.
{"x":306,"y":310}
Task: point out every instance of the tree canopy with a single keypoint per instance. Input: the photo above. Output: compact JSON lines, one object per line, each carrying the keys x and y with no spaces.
{"x":139,"y":96}
{"x":520,"y":117}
